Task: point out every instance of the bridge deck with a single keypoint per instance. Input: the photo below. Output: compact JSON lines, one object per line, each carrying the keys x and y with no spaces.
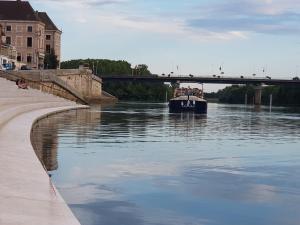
{"x":203,"y":79}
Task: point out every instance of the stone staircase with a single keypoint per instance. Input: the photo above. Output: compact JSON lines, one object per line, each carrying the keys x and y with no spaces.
{"x":37,"y":81}
{"x":15,"y":101}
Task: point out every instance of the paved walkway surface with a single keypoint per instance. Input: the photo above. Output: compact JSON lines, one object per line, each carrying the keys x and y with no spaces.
{"x":27,"y":196}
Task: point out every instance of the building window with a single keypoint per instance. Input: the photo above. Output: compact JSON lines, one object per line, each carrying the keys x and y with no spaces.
{"x":8,"y":28}
{"x":19,"y":28}
{"x":8,"y":40}
{"x":29,"y":28}
{"x":29,"y":42}
{"x":48,"y":49}
{"x":48,"y":37}
{"x":19,"y":58}
{"x":18,"y":41}
{"x":29,"y":58}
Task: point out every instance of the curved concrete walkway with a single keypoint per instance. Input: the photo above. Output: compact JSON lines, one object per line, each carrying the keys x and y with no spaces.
{"x":27,"y":196}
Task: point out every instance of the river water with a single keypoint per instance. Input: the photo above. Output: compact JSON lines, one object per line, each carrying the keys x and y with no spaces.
{"x":136,"y":164}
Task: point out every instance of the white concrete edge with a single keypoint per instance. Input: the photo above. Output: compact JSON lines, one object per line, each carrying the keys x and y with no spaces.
{"x":45,"y":115}
{"x":26,"y":197}
{"x":58,"y":110}
{"x":27,"y":194}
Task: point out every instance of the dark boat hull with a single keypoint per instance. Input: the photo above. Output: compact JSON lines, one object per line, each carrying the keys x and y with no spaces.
{"x":176,"y":106}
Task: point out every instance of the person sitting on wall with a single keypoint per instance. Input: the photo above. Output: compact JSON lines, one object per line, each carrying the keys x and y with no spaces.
{"x":21,"y":83}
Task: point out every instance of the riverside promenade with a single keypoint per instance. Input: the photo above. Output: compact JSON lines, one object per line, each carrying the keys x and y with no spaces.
{"x":27,"y":195}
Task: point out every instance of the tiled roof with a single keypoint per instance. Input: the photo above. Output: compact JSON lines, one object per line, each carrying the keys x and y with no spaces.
{"x":22,"y":10}
{"x":17,"y":10}
{"x":49,"y":25}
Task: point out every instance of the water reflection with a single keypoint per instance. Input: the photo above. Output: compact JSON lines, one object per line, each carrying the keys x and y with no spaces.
{"x":137,"y":164}
{"x":45,"y":133}
{"x":45,"y":144}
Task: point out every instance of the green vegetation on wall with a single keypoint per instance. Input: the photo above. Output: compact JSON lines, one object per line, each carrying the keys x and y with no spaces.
{"x":137,"y":91}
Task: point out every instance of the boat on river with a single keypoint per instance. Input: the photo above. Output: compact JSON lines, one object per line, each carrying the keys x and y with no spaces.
{"x":188,"y":99}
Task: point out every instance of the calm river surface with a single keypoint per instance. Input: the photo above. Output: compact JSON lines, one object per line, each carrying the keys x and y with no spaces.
{"x":136,"y":164}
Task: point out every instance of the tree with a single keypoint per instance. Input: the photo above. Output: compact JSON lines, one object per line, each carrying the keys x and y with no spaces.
{"x":282,"y":95}
{"x":132,"y":90}
{"x":50,"y":61}
{"x":142,"y":69}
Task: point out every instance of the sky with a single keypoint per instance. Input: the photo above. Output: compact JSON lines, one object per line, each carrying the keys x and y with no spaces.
{"x":243,"y":37}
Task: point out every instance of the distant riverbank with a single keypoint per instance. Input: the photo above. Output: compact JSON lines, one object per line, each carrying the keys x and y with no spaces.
{"x":237,"y":94}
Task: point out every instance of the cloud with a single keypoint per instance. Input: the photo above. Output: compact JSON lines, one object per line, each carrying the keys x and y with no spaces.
{"x":250,"y":16}
{"x":226,"y":20}
{"x":232,"y":19}
{"x":132,"y":17}
{"x":167,"y":27}
{"x":251,"y":7}
{"x":106,"y":2}
{"x":85,"y":2}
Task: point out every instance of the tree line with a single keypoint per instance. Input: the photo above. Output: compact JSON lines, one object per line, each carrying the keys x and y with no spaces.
{"x":107,"y":67}
{"x":133,"y":90}
{"x":281,"y":95}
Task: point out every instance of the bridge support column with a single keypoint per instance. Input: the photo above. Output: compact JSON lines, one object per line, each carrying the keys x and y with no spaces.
{"x":257,"y":98}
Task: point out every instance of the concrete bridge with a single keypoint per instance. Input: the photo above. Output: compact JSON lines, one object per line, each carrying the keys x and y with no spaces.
{"x":256,"y":81}
{"x":202,"y":79}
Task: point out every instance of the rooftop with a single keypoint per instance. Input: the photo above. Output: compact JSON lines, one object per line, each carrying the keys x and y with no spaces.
{"x":22,"y":10}
{"x":49,"y":25}
{"x":17,"y":10}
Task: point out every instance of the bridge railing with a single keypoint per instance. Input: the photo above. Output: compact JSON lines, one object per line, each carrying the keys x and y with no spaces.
{"x":204,"y":79}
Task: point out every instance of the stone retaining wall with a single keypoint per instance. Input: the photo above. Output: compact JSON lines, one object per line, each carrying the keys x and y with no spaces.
{"x":78,"y":85}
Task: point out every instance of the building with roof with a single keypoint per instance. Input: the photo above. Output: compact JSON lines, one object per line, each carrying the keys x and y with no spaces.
{"x":8,"y":53}
{"x":52,"y":35}
{"x":2,"y":41}
{"x":31,"y":32}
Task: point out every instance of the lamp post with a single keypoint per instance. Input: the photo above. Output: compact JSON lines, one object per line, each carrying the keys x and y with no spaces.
{"x":97,"y":68}
{"x":133,"y":70}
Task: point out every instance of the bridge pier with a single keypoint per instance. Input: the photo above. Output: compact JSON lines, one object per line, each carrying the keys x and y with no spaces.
{"x":257,"y":98}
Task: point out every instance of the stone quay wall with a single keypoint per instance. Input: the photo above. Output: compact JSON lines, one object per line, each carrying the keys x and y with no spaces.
{"x":78,"y":85}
